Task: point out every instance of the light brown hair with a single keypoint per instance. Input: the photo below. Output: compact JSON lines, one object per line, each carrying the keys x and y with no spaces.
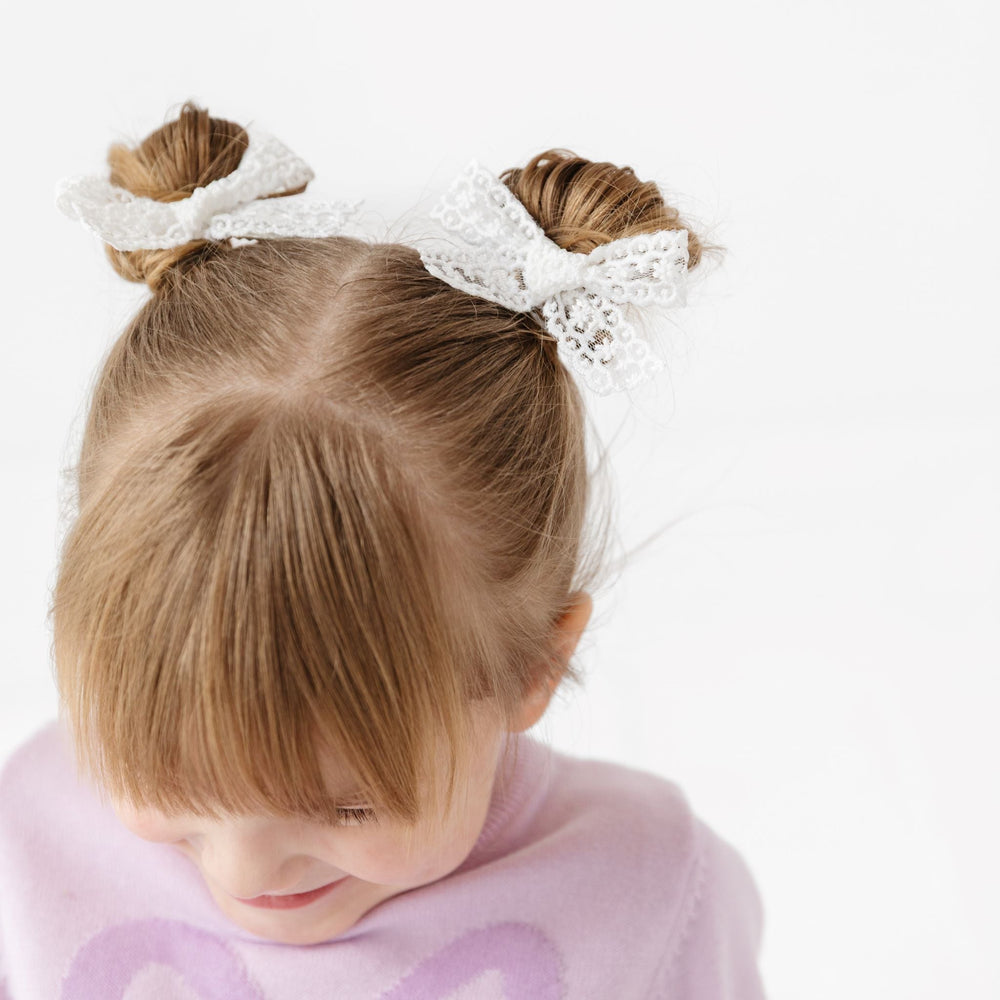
{"x":325,"y":500}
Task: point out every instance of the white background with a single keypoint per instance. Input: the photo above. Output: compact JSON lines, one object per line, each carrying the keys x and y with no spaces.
{"x":810,"y":648}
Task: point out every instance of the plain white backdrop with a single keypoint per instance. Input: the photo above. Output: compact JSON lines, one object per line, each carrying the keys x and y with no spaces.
{"x":810,"y":647}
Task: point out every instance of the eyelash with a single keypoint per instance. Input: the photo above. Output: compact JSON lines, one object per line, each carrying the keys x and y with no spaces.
{"x":355,"y":815}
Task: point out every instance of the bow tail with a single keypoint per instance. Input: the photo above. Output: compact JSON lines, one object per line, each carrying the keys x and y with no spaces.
{"x":597,"y":341}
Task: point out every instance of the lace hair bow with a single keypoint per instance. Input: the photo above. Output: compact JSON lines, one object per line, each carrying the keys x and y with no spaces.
{"x":501,"y":254}
{"x":234,"y":207}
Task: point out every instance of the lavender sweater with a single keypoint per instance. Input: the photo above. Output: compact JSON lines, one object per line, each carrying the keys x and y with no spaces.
{"x":589,"y":880}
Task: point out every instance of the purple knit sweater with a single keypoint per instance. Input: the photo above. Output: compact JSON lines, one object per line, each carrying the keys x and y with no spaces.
{"x":589,"y":880}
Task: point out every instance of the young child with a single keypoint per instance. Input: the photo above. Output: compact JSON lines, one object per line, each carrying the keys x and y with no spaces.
{"x":328,"y":566}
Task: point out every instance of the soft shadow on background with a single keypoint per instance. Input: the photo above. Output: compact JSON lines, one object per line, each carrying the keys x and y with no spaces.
{"x":810,"y":648}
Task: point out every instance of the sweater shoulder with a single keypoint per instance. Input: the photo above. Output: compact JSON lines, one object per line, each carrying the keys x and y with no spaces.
{"x":626,"y":803}
{"x":46,"y":756}
{"x":681,"y":876}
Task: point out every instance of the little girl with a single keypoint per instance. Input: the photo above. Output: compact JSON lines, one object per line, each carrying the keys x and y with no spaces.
{"x":328,"y":567}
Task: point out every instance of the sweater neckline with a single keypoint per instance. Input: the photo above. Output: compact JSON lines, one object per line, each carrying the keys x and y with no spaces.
{"x":519,"y":786}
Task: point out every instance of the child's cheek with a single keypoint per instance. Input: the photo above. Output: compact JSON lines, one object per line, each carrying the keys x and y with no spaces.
{"x":399,"y":858}
{"x":148,"y":824}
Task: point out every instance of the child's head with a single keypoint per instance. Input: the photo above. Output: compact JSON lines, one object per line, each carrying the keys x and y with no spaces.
{"x":332,"y":512}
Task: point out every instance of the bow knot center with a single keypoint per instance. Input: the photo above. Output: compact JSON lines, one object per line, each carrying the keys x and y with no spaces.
{"x":548,"y":270}
{"x":192,"y":215}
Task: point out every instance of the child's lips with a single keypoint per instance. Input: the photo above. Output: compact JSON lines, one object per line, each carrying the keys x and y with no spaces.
{"x":292,"y":900}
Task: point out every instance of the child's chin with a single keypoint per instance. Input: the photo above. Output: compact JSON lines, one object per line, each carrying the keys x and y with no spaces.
{"x":308,"y":925}
{"x":289,"y":927}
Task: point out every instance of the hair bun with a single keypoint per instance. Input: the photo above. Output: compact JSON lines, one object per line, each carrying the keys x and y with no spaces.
{"x":168,"y":165}
{"x":582,"y":204}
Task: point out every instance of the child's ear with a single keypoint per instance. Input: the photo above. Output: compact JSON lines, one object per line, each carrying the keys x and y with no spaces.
{"x":566,"y":635}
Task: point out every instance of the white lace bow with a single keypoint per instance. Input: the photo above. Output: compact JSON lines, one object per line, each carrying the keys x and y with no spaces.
{"x":234,"y":207}
{"x":500,"y":253}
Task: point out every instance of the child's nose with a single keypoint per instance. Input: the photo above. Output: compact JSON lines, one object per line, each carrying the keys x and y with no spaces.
{"x":249,"y":861}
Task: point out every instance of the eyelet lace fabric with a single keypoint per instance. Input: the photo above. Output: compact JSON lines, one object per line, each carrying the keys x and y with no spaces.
{"x":236,"y":206}
{"x":497,"y":251}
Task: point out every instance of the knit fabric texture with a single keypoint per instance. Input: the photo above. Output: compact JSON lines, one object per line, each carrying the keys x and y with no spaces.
{"x":588,"y":880}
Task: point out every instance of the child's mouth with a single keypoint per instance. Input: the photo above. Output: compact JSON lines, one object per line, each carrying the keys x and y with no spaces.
{"x":292,"y":900}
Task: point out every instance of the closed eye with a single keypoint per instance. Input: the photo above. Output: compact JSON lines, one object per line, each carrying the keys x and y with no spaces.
{"x":355,"y":815}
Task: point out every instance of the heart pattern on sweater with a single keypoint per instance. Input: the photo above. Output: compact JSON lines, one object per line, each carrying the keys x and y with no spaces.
{"x":517,"y":956}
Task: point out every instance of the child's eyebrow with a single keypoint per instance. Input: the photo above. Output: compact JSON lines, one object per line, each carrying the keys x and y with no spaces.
{"x":350,"y":794}
{"x":358,"y":798}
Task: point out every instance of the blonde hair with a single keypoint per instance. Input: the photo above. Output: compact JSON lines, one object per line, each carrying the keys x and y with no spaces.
{"x":325,"y":501}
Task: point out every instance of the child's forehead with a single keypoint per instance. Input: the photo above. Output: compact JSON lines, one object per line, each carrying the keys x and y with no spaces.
{"x":340,"y":781}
